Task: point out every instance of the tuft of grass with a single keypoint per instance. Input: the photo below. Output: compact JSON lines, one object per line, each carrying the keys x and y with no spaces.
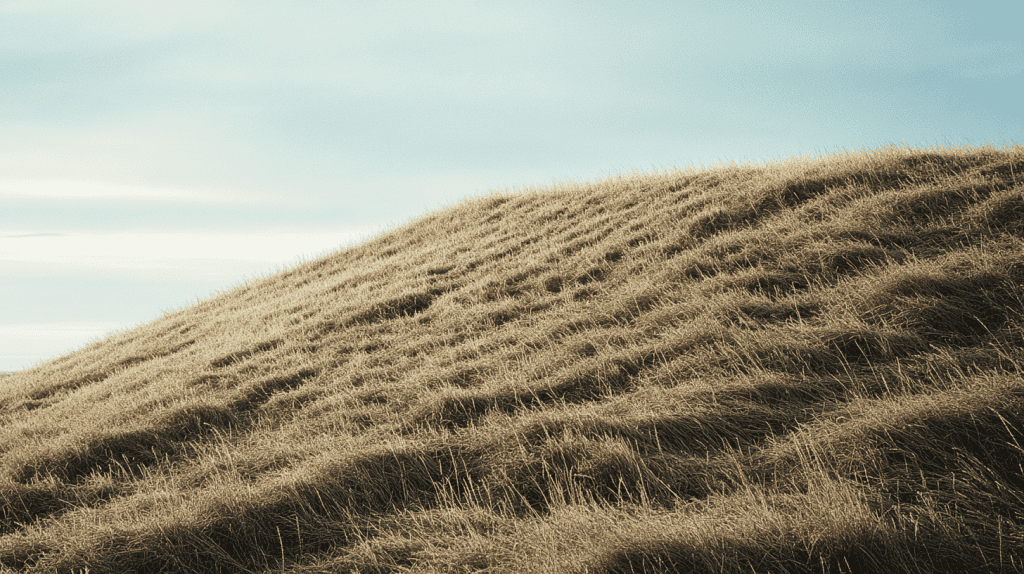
{"x":810,"y":365}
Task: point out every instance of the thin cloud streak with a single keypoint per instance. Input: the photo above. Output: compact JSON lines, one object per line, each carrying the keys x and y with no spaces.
{"x":173,"y":249}
{"x":57,"y":331}
{"x":23,"y":344}
{"x":94,"y":189}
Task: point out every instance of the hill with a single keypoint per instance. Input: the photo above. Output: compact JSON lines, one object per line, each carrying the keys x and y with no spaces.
{"x":811,"y":365}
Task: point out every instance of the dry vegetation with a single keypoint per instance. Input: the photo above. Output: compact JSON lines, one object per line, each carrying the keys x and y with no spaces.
{"x":811,"y":365}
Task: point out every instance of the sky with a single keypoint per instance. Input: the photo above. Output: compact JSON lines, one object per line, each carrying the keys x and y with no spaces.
{"x":155,"y":153}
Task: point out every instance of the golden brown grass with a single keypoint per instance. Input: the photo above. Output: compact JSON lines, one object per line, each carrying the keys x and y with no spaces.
{"x":811,"y":365}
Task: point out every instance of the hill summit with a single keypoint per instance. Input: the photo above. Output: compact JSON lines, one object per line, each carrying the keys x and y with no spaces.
{"x":809,"y":365}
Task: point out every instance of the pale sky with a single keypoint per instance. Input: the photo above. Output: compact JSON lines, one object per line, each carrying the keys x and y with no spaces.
{"x":153,"y":153}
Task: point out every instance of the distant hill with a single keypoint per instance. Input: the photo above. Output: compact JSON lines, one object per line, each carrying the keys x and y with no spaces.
{"x":811,"y":365}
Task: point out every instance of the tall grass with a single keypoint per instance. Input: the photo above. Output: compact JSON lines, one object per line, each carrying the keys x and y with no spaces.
{"x":811,"y":365}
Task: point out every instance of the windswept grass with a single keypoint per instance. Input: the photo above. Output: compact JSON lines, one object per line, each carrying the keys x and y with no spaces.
{"x":811,"y":365}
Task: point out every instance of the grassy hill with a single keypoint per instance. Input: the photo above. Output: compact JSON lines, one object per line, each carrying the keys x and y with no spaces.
{"x":811,"y":365}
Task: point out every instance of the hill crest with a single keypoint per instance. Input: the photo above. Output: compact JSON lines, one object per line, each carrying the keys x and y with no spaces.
{"x":812,"y":364}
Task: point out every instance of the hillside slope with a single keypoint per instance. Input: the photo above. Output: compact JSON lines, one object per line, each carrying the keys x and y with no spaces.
{"x":803,"y":366}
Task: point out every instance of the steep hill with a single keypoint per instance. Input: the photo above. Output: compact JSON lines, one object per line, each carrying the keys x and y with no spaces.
{"x":802,"y":366}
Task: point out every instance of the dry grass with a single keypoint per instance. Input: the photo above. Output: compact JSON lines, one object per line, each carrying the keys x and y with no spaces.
{"x":812,"y":365}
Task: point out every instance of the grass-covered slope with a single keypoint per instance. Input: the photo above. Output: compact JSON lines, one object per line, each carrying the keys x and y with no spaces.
{"x":804,"y":366}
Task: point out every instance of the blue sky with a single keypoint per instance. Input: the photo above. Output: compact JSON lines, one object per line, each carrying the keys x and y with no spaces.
{"x":152,"y":153}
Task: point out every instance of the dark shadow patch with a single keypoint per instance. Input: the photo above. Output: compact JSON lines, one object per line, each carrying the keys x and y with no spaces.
{"x":927,"y":205}
{"x":553,"y":284}
{"x":25,"y":504}
{"x":700,"y":181}
{"x":888,"y":240}
{"x":595,"y":274}
{"x":24,"y":554}
{"x":287,"y":403}
{"x":608,"y":473}
{"x":1002,"y":212}
{"x":132,"y":361}
{"x":567,"y":328}
{"x":673,"y":246}
{"x":1009,"y":171}
{"x":325,"y":328}
{"x":642,"y":239}
{"x":215,"y":380}
{"x":771,"y":284}
{"x":372,"y":396}
{"x":629,"y":310}
{"x":27,"y":404}
{"x":459,"y":411}
{"x":719,"y":220}
{"x":842,"y":259}
{"x":794,"y":193}
{"x":461,"y":376}
{"x":574,"y":247}
{"x":700,"y":270}
{"x":378,"y":484}
{"x":239,"y":356}
{"x":582,"y":349}
{"x":793,"y":357}
{"x":497,"y":289}
{"x":128,"y":451}
{"x":733,"y":417}
{"x":440,"y":270}
{"x":589,"y":383}
{"x":613,"y":256}
{"x":595,"y":381}
{"x":260,"y":392}
{"x":953,"y":309}
{"x":667,"y":458}
{"x":759,"y":315}
{"x":69,"y":385}
{"x":370,"y":346}
{"x":865,"y":552}
{"x":583,"y":294}
{"x":782,"y":404}
{"x":977,"y":443}
{"x":870,"y":347}
{"x":829,"y":352}
{"x":404,"y":306}
{"x":500,"y":317}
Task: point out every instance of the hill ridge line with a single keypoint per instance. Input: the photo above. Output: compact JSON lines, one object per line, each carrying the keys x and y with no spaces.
{"x":807,"y":365}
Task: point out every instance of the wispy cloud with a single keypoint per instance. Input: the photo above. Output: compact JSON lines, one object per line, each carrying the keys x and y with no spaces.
{"x":40,"y":188}
{"x":991,"y":60}
{"x":25,"y":343}
{"x":57,"y":331}
{"x":24,"y":235}
{"x":135,"y":250}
